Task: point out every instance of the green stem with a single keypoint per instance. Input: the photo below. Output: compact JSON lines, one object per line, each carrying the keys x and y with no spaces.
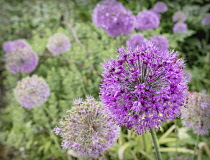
{"x":196,"y":144}
{"x":154,"y":139}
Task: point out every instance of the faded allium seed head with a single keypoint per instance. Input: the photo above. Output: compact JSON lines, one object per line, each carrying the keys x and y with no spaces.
{"x":143,"y":87}
{"x":160,"y":42}
{"x":32,"y":91}
{"x":58,"y":43}
{"x":17,"y":44}
{"x":195,"y":114}
{"x":147,"y":20}
{"x":180,"y":27}
{"x":160,"y":7}
{"x":179,"y":17}
{"x":206,"y":20}
{"x":87,"y":129}
{"x":135,"y":40}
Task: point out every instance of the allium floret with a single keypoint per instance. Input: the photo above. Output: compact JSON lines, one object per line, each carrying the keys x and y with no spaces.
{"x":179,"y":17}
{"x":32,"y":91}
{"x":17,"y":44}
{"x":135,"y":40}
{"x":87,"y":129}
{"x":206,"y":20}
{"x":58,"y":43}
{"x":143,"y":87}
{"x":195,"y":114}
{"x":160,"y":42}
{"x":160,"y":7}
{"x":180,"y":27}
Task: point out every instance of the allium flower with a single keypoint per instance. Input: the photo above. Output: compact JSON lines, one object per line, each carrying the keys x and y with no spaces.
{"x":21,"y":60}
{"x":87,"y":129}
{"x":180,"y":27}
{"x":179,"y":17}
{"x":160,"y":41}
{"x":135,"y":40}
{"x":206,"y":20}
{"x":160,"y":7}
{"x":195,"y":114}
{"x":58,"y":43}
{"x":113,"y":17}
{"x":147,"y":20}
{"x":32,"y":91}
{"x":143,"y":87}
{"x":17,"y":44}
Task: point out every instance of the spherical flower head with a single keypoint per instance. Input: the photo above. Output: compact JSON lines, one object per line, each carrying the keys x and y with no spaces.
{"x":58,"y":43}
{"x":135,"y":40}
{"x":206,"y":20}
{"x":198,"y":105}
{"x":143,"y":87}
{"x":179,"y":17}
{"x":160,"y":41}
{"x":180,"y":27}
{"x":21,"y":60}
{"x":87,"y":128}
{"x":17,"y":44}
{"x":147,"y":20}
{"x":160,"y":7}
{"x":32,"y":91}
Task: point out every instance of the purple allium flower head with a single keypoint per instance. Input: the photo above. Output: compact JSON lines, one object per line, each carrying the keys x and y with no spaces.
{"x":58,"y":43}
{"x":17,"y":44}
{"x":113,"y":17}
{"x":160,"y":41}
{"x":87,"y":129}
{"x":135,"y":40}
{"x":32,"y":91}
{"x":147,"y":20}
{"x":206,"y":20}
{"x":160,"y":7}
{"x":180,"y":27}
{"x":179,"y":17}
{"x":195,"y":114}
{"x":21,"y":60}
{"x":143,"y":87}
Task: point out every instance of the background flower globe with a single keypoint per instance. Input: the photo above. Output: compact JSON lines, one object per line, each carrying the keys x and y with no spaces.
{"x":160,"y":41}
{"x":17,"y":44}
{"x":135,"y":40}
{"x":180,"y":27}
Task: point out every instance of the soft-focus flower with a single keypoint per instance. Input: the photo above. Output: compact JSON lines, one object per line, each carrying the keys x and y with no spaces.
{"x":160,"y":7}
{"x":179,"y":17}
{"x":160,"y":41}
{"x":188,"y":75}
{"x":17,"y":44}
{"x":58,"y":43}
{"x":147,"y":20}
{"x":195,"y":114}
{"x":180,"y":27}
{"x":32,"y":91}
{"x":143,"y":87}
{"x":206,"y":20}
{"x":113,"y":17}
{"x":87,"y":129}
{"x":135,"y":40}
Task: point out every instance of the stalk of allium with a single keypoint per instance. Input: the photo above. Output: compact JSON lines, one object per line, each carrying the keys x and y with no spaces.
{"x":160,"y":7}
{"x":13,"y":45}
{"x":32,"y":91}
{"x":195,"y":114}
{"x":135,"y":40}
{"x":179,"y":17}
{"x":206,"y":20}
{"x":87,"y":129}
{"x":180,"y":27}
{"x":58,"y":43}
{"x":160,"y":41}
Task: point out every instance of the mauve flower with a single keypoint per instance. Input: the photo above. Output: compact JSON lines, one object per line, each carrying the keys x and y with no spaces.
{"x":17,"y":44}
{"x":135,"y":40}
{"x":180,"y":27}
{"x":58,"y":43}
{"x":32,"y":91}
{"x":87,"y":129}
{"x":160,"y":42}
{"x":143,"y":87}
{"x":179,"y":17}
{"x":206,"y":20}
{"x":188,"y":75}
{"x":160,"y":7}
{"x":147,"y":20}
{"x":195,"y":114}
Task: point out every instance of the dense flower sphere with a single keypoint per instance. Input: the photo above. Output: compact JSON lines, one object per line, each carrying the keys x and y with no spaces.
{"x":195,"y":114}
{"x":160,"y":7}
{"x":17,"y":44}
{"x":32,"y":91}
{"x":143,"y":87}
{"x":206,"y":20}
{"x":147,"y":20}
{"x":180,"y":27}
{"x":179,"y":17}
{"x":87,"y":129}
{"x":58,"y":43}
{"x":135,"y":40}
{"x":160,"y":41}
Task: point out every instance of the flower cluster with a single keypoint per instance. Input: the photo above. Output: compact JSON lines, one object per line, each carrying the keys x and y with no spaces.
{"x":180,"y":26}
{"x":206,"y":20}
{"x":179,"y":17}
{"x":135,"y":40}
{"x":58,"y":43}
{"x":160,"y":42}
{"x":13,"y":45}
{"x":198,"y":105}
{"x":113,"y":17}
{"x":32,"y":91}
{"x":160,"y":7}
{"x":87,"y":129}
{"x":143,"y":87}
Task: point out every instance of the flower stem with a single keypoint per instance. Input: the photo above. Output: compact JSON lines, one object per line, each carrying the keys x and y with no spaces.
{"x":154,"y":139}
{"x":196,"y":144}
